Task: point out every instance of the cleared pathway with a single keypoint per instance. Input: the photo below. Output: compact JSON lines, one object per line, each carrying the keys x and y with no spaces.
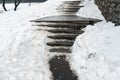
{"x":63,"y":30}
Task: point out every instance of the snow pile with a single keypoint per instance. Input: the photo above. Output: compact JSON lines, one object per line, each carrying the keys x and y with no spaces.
{"x":22,"y":46}
{"x":96,"y":53}
{"x":90,"y":10}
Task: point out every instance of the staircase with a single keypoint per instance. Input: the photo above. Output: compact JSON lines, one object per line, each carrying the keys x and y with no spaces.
{"x":69,"y":7}
{"x":63,"y":39}
{"x":63,"y":29}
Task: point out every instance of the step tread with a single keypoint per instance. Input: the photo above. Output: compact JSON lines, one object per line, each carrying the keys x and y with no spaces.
{"x":71,"y":2}
{"x":61,"y":50}
{"x":67,"y":10}
{"x":62,"y":25}
{"x":69,"y":19}
{"x":63,"y":36}
{"x":60,"y":43}
{"x":69,"y":7}
{"x":75,"y":31}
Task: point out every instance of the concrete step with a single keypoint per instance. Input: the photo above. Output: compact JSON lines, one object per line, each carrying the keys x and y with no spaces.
{"x":61,"y":43}
{"x":78,"y":20}
{"x":60,"y":50}
{"x":67,"y":13}
{"x":68,"y":10}
{"x":69,"y":7}
{"x":62,"y":25}
{"x":72,"y":10}
{"x":64,"y":30}
{"x":66,"y":37}
{"x":71,"y":2}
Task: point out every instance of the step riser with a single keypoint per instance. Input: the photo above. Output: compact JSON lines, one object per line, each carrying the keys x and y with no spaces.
{"x":67,"y":22}
{"x":61,"y":44}
{"x":68,"y":10}
{"x":72,"y":1}
{"x":71,"y":4}
{"x":69,"y":27}
{"x":65,"y":31}
{"x":62,"y":26}
{"x":64,"y":45}
{"x":69,"y":7}
{"x":60,"y":50}
{"x":63,"y":37}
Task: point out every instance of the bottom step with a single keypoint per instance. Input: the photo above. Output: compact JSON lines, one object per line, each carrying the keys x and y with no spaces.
{"x":60,"y":50}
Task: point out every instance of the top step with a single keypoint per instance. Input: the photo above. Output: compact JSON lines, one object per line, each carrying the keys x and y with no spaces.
{"x":70,"y":7}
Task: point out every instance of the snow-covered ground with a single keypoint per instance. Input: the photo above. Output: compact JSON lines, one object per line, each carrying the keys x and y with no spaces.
{"x":23,"y":52}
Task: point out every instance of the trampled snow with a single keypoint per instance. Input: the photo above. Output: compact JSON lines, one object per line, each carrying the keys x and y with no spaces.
{"x":23,"y":51}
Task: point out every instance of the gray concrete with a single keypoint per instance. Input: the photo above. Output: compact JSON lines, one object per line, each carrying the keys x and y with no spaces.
{"x":66,"y":18}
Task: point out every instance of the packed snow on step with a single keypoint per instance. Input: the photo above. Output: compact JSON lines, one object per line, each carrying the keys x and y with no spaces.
{"x":23,"y":50}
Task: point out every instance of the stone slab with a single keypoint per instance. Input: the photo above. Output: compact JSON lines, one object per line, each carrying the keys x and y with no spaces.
{"x":66,"y":18}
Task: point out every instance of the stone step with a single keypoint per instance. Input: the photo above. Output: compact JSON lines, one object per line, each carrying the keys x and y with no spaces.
{"x":60,"y":50}
{"x":67,"y":13}
{"x":64,"y":30}
{"x":61,"y":43}
{"x":66,"y":19}
{"x":66,"y":37}
{"x":68,"y":10}
{"x":71,"y":2}
{"x":62,"y":25}
{"x":72,"y":10}
{"x":69,"y":7}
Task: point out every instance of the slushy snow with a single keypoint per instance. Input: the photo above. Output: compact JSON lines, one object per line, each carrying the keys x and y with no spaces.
{"x":23,"y":54}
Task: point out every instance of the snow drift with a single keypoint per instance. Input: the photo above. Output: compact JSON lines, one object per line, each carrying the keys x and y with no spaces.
{"x":96,"y":53}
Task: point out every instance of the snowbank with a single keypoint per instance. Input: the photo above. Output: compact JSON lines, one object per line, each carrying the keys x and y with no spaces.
{"x":96,"y":53}
{"x":22,"y":46}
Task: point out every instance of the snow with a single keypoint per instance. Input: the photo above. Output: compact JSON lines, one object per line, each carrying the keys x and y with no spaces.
{"x":23,"y":54}
{"x":90,"y":10}
{"x":96,"y":52}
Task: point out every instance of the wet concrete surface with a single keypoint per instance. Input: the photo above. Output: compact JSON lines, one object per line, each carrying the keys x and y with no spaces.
{"x":60,"y":69}
{"x":68,"y":19}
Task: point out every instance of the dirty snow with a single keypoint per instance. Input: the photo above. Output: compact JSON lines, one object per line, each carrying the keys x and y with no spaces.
{"x":23,"y":52}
